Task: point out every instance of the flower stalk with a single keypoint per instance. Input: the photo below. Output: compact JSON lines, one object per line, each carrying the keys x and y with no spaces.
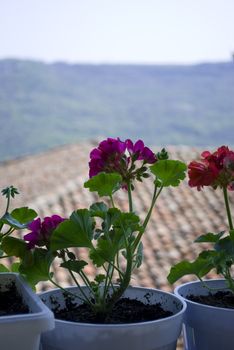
{"x":228,"y":211}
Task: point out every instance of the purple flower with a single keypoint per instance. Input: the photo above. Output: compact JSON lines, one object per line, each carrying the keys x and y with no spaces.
{"x":114,"y":155}
{"x":140,"y":152}
{"x":41,"y":231}
{"x":107,"y":157}
{"x":111,"y":146}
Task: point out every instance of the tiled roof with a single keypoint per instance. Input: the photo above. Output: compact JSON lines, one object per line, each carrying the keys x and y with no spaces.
{"x":52,"y":183}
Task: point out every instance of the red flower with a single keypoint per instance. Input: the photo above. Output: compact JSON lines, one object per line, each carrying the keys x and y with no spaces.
{"x":202,"y":174}
{"x":216,"y":158}
{"x":214,"y":169}
{"x":228,"y":162}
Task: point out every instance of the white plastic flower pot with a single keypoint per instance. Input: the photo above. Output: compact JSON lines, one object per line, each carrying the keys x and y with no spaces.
{"x":206,"y":327}
{"x":153,"y":335}
{"x":23,"y":331}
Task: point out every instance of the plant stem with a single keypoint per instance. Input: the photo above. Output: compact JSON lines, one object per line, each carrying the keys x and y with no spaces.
{"x":63,"y":289}
{"x":8,"y":203}
{"x":85,"y":279}
{"x":154,"y":198}
{"x":114,"y":266}
{"x":8,"y":232}
{"x":229,"y":280}
{"x":228,"y":208}
{"x":7,"y":208}
{"x":108,"y":281}
{"x":127,"y":275}
{"x":77,"y":284}
{"x":204,"y":284}
{"x":125,"y":281}
{"x":130,"y":197}
{"x":112,"y":201}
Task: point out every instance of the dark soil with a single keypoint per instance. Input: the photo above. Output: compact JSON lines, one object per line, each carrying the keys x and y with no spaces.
{"x":124,"y":311}
{"x":11,"y":302}
{"x":219,"y":299}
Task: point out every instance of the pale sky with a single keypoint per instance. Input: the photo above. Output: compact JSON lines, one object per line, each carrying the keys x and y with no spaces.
{"x":117,"y":31}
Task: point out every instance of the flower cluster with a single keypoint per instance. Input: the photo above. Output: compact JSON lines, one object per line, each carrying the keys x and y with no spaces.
{"x":116,"y":156}
{"x":214,"y":169}
{"x":41,"y":231}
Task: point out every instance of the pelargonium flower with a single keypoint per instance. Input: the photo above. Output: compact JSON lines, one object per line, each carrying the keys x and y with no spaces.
{"x":228,"y":162}
{"x":140,"y":151}
{"x":201,"y":174}
{"x":41,"y":231}
{"x":108,"y":157}
{"x":114,"y":155}
{"x":217,"y":158}
{"x":214,"y":169}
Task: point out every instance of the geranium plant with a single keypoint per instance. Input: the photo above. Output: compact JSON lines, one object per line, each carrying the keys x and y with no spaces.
{"x":11,"y":221}
{"x":215,"y":170}
{"x":111,"y":236}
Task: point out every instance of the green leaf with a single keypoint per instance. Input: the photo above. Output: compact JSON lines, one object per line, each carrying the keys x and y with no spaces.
{"x":208,"y":255}
{"x":199,"y":268}
{"x":225,"y":244}
{"x":19,"y":218}
{"x":123,"y":229}
{"x":96,"y":258}
{"x":99,"y":210}
{"x":100,"y":278}
{"x":231,"y":233}
{"x":162,"y":155}
{"x":38,"y":268}
{"x":139,"y":255}
{"x":218,"y":259}
{"x":129,"y":221}
{"x":3,"y":268}
{"x":169,"y":172}
{"x":112,"y":216}
{"x":74,"y":265}
{"x":15,"y":267}
{"x":10,"y":191}
{"x":12,"y":222}
{"x":75,"y":232}
{"x":104,"y":252}
{"x":71,"y":255}
{"x":14,"y":246}
{"x":209,"y":237}
{"x":104,"y":184}
{"x":24,"y":215}
{"x":118,"y":227}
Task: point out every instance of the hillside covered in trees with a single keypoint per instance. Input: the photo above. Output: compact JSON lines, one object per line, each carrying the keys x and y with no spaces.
{"x":45,"y":105}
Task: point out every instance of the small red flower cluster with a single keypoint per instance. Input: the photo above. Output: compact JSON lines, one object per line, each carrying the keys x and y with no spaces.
{"x":214,"y":169}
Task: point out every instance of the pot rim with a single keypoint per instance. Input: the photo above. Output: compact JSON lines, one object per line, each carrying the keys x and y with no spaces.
{"x":213,"y":280}
{"x":41,"y":314}
{"x":126,"y":325}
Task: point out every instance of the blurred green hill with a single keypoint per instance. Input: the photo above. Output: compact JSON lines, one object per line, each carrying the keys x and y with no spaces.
{"x":45,"y":105}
